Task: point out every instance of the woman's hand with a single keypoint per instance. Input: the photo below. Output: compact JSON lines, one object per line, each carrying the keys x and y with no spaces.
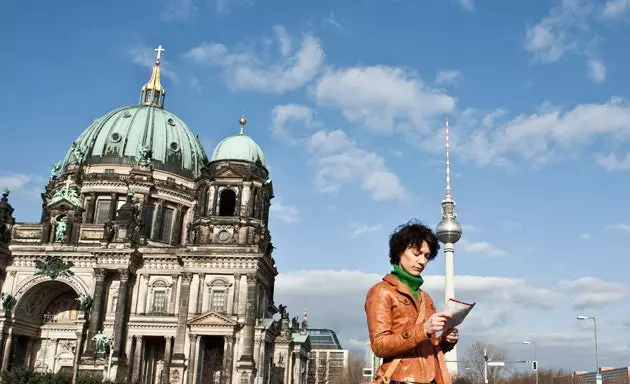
{"x":451,"y":335}
{"x":436,"y":322}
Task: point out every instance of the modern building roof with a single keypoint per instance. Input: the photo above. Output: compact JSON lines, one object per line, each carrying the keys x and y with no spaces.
{"x":322,"y":338}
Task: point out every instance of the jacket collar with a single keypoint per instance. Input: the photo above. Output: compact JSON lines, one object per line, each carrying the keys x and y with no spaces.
{"x":400,"y":286}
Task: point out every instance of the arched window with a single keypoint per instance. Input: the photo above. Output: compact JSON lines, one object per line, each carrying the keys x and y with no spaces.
{"x":227,"y":203}
{"x":255,"y":209}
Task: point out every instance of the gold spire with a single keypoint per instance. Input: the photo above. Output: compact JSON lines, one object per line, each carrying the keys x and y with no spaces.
{"x":153,"y":91}
{"x":242,"y":121}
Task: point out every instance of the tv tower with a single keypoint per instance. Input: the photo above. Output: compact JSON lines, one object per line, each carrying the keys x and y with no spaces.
{"x":449,"y":232}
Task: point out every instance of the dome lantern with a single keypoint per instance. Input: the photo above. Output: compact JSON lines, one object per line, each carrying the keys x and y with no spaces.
{"x":239,"y":147}
{"x":153,"y":92}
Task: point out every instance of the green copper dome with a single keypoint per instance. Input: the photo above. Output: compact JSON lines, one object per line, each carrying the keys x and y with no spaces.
{"x":125,"y":135}
{"x":144,"y":134}
{"x":239,"y":147}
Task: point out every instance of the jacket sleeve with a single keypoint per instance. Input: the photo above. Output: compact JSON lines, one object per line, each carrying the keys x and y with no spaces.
{"x":385,"y":343}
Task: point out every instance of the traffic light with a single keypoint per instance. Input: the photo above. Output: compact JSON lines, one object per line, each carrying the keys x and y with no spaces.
{"x":534,"y":365}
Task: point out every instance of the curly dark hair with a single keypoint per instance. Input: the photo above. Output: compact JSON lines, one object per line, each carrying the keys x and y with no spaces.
{"x":413,"y":233}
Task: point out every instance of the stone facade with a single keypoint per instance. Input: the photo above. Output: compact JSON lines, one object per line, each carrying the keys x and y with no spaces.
{"x":175,"y":274}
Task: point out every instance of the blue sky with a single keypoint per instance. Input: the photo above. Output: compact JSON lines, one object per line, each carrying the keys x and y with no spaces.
{"x":347,"y":99}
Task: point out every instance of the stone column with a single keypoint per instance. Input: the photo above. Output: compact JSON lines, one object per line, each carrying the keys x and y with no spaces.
{"x":228,"y":353}
{"x":156,"y":226}
{"x":200,"y":298}
{"x":97,"y":309}
{"x":137,"y":359}
{"x":237,"y":289}
{"x":7,"y":352}
{"x":173,"y":299}
{"x":202,"y":209}
{"x":246,"y":364}
{"x":176,"y":230}
{"x":168,"y":349}
{"x":239,"y":199}
{"x":192,"y":358}
{"x":120,"y":323}
{"x":180,"y":336}
{"x":114,"y":206}
{"x":91,"y":207}
{"x":77,"y":353}
{"x":215,"y":194}
{"x":142,"y":294}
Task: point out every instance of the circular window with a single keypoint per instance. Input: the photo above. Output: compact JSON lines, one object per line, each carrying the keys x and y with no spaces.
{"x":174,"y":147}
{"x":224,"y":236}
{"x":126,"y":114}
{"x":116,"y":137}
{"x":170,"y":121}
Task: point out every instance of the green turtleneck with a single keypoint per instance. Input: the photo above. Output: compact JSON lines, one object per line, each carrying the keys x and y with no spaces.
{"x":411,"y":281}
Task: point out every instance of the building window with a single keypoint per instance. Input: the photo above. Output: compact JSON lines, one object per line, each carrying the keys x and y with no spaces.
{"x":218,"y":301}
{"x":227,"y":203}
{"x":102,"y":211}
{"x":255,"y":210}
{"x":148,"y":220}
{"x":159,"y":302}
{"x":167,"y":224}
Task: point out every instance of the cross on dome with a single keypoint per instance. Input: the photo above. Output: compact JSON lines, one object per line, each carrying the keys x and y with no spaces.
{"x":159,"y":51}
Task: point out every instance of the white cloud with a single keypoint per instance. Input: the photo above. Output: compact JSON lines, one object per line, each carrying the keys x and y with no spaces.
{"x":287,"y":213}
{"x":178,"y":10}
{"x":596,"y":70}
{"x":341,"y":162}
{"x":447,"y":76}
{"x":246,"y":70}
{"x":565,"y":29}
{"x":468,"y":5}
{"x":612,"y":163}
{"x":365,"y":229}
{"x":616,"y":8}
{"x":589,"y":292}
{"x":283,"y":115}
{"x":586,"y":236}
{"x":506,"y":311}
{"x":621,"y":227}
{"x":381,"y":97}
{"x":225,"y":6}
{"x":551,"y":131}
{"x":145,"y":57}
{"x":483,"y":248}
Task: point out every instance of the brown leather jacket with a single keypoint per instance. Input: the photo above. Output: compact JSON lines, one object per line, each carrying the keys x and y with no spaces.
{"x":392,"y":312}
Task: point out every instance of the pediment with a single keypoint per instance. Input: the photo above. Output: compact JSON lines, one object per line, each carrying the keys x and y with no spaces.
{"x":228,"y":173}
{"x":212,"y":319}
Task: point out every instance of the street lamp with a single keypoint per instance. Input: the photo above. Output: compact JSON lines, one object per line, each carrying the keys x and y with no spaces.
{"x":595,"y":329}
{"x":534,"y":345}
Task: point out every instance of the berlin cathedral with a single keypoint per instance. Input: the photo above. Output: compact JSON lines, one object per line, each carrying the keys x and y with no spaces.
{"x":151,"y":263}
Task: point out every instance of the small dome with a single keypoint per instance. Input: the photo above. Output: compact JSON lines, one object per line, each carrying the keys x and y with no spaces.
{"x":239,"y":147}
{"x":121,"y":135}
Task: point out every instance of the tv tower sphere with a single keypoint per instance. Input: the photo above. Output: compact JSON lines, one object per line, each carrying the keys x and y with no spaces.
{"x":448,"y":231}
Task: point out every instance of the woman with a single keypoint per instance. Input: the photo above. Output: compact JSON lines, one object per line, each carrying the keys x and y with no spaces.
{"x":402,"y":320}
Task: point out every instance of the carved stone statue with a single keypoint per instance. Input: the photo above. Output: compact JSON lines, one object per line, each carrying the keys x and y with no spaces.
{"x":192,"y":233}
{"x":54,"y":172}
{"x":284,"y":315}
{"x":78,"y":154}
{"x":100,"y":342}
{"x":7,"y":301}
{"x":145,"y":152}
{"x":60,"y":230}
{"x":295,"y":324}
{"x":85,"y":302}
{"x":6,"y":218}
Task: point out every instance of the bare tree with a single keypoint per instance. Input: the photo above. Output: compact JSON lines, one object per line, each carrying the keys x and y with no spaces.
{"x":475,"y":362}
{"x":354,"y":371}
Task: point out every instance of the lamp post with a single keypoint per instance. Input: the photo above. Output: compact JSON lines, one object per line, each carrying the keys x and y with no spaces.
{"x":534,"y":345}
{"x":597,"y":375}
